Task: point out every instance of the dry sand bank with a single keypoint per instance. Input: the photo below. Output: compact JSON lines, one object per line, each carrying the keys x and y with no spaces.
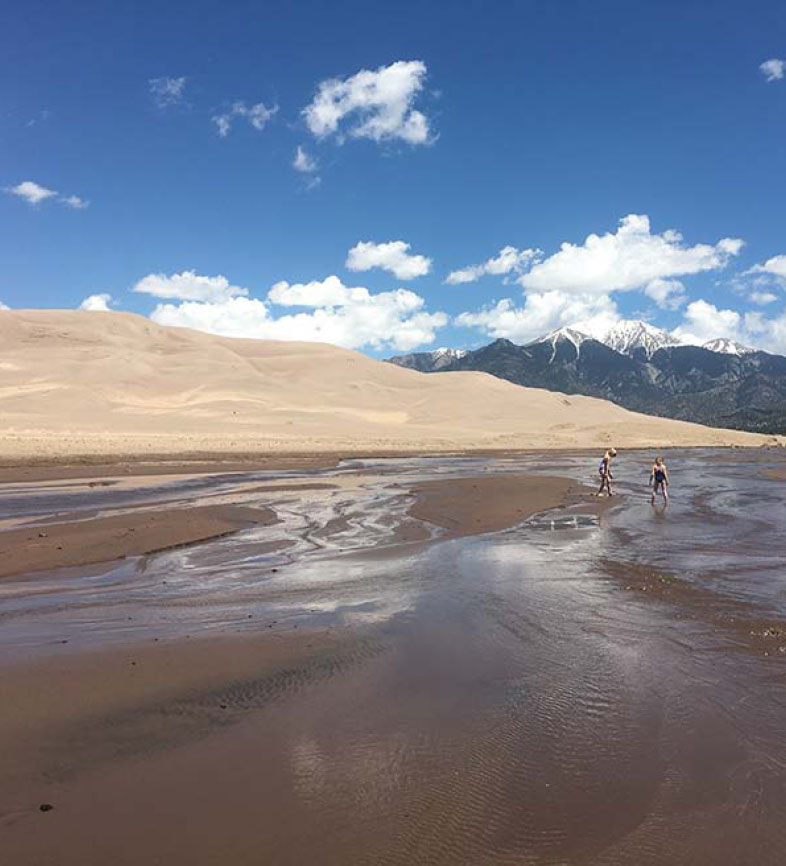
{"x":79,"y":384}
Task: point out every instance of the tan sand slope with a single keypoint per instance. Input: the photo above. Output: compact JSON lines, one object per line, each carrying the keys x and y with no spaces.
{"x":84,"y":383}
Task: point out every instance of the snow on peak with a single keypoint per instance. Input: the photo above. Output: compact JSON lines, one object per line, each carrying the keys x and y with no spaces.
{"x":572,"y":335}
{"x":630,"y":334}
{"x":727,"y":347}
{"x":448,"y":353}
{"x":443,"y":357}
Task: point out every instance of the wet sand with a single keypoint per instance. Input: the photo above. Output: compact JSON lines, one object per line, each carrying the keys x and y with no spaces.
{"x":471,"y":506}
{"x":103,"y":539}
{"x":94,"y":468}
{"x":571,"y":684}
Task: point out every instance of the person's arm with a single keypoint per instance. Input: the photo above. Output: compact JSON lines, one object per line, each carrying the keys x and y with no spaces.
{"x":665,"y":475}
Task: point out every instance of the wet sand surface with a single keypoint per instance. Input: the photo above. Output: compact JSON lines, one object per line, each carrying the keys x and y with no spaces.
{"x":352,"y":684}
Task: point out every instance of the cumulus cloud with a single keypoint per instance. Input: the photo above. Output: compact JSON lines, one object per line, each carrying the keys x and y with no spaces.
{"x":773,"y":69}
{"x":330,"y":292}
{"x":3,"y":306}
{"x":541,"y":313}
{"x":167,"y":92}
{"x":630,"y":258}
{"x":393,"y":256}
{"x":774,"y":267}
{"x":352,"y":317}
{"x":378,"y":105}
{"x":704,"y":321}
{"x":96,"y":303}
{"x":667,"y":294}
{"x":257,"y":115}
{"x":508,"y":260}
{"x":33,"y":193}
{"x":189,"y":286}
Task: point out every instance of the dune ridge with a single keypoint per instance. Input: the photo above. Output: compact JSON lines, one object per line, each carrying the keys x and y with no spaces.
{"x":75,"y":383}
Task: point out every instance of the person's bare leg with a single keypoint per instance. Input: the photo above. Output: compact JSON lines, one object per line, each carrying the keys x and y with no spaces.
{"x":665,"y":494}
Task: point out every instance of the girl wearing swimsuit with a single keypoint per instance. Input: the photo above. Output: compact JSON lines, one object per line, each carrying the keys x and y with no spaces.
{"x":659,"y":478}
{"x":605,"y":472}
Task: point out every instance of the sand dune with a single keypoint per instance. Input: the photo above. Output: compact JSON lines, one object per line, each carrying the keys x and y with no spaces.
{"x":89,"y":383}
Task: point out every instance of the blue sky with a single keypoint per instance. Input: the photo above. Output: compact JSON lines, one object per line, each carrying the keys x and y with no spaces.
{"x":476,"y":126}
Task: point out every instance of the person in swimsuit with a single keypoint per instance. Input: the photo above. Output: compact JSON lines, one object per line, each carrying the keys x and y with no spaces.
{"x":659,"y":478}
{"x":605,"y":472}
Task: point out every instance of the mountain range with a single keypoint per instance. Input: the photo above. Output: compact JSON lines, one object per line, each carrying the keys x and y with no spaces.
{"x":721,"y":383}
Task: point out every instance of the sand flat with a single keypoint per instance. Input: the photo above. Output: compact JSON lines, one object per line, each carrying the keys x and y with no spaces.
{"x":564,"y":691}
{"x":103,"y":539}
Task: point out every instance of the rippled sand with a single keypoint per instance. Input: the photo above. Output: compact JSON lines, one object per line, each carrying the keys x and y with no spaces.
{"x":586,"y":687}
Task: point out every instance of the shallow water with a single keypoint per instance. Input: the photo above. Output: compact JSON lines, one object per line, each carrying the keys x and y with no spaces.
{"x":569,"y":691}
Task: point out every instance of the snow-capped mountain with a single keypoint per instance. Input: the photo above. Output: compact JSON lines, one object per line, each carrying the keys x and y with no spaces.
{"x":572,"y":335}
{"x":626,"y":336}
{"x":629,"y":335}
{"x":429,"y":362}
{"x":444,"y":356}
{"x":640,"y":367}
{"x":447,"y":354}
{"x":727,"y":347}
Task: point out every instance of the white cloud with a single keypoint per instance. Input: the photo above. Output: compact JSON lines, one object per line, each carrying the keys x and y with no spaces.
{"x":223,"y":124}
{"x":508,"y":260}
{"x":667,"y":294}
{"x":188,"y":286}
{"x":773,"y":69}
{"x":167,"y":91}
{"x":308,"y":166}
{"x":393,"y":256}
{"x":630,"y":258}
{"x":330,"y":292}
{"x":775,"y":267}
{"x":378,"y":105}
{"x":257,"y":115}
{"x":31,"y":192}
{"x":762,"y":298}
{"x":3,"y":306}
{"x":74,"y":201}
{"x":344,"y":316}
{"x":542,"y":313}
{"x":96,"y":303}
{"x":704,"y":321}
{"x":304,"y":162}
